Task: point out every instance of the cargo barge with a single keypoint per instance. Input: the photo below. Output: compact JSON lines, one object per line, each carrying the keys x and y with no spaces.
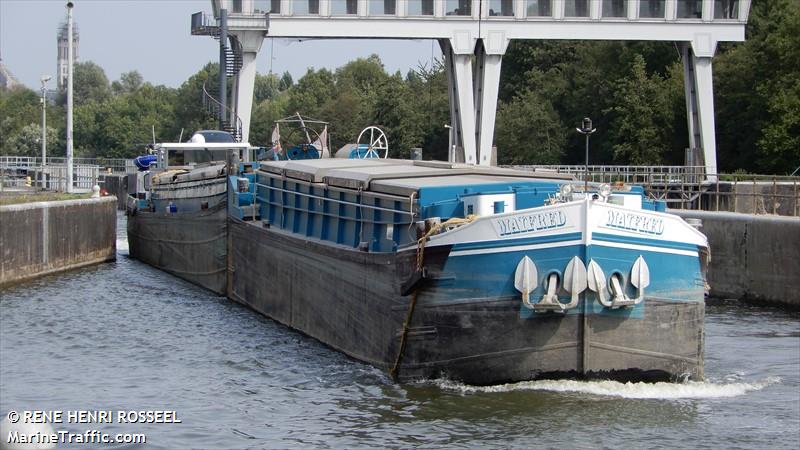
{"x":434,"y":269}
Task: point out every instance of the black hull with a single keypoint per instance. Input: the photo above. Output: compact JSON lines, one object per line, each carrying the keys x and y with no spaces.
{"x":350,"y":300}
{"x":189,"y":245}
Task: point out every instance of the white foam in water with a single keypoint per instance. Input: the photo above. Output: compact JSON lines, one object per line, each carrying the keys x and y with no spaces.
{"x":122,"y":246}
{"x":659,"y":391}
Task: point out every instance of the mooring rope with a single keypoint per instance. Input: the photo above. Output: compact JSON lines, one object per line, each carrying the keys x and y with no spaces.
{"x":419,"y":265}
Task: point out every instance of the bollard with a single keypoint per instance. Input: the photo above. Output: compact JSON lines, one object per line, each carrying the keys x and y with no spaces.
{"x":95,"y":191}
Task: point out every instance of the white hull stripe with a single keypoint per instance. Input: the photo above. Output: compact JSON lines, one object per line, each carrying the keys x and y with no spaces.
{"x":645,"y":248}
{"x":516,"y":248}
{"x":521,"y":248}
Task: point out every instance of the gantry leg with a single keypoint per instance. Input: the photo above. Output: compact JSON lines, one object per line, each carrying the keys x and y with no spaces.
{"x":487,"y":84}
{"x":455,"y":152}
{"x":462,"y":104}
{"x":245,"y":85}
{"x":698,"y":78}
{"x":245,"y":80}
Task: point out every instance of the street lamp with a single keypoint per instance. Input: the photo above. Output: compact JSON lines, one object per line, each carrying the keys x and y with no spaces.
{"x":586,"y":130}
{"x":44,"y":80}
{"x":451,"y":155}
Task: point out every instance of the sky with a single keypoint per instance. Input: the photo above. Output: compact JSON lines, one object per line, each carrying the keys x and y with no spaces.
{"x":153,"y":37}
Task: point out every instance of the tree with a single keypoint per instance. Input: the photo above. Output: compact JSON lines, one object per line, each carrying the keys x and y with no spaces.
{"x":641,"y":127}
{"x":188,"y":107}
{"x":263,"y":119}
{"x":19,"y":107}
{"x":265,"y":88}
{"x":27,"y":141}
{"x":89,"y":84}
{"x":286,"y":81}
{"x":758,"y":97}
{"x":311,"y":92}
{"x":396,"y":114}
{"x":529,"y":131}
{"x":128,"y":82}
{"x":122,"y":125}
{"x":428,"y":97}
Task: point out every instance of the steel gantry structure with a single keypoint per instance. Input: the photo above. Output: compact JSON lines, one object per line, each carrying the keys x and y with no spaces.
{"x":474,"y":36}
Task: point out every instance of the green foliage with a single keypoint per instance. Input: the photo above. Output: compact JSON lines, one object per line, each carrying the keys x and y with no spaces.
{"x":311,"y":92}
{"x":188,"y":107}
{"x":19,"y":107}
{"x":27,"y":141}
{"x":529,"y":131}
{"x":430,"y":101}
{"x":89,"y":84}
{"x":757,"y":92}
{"x":263,"y":118}
{"x":122,"y":125}
{"x":642,"y":118}
{"x":266,"y":87}
{"x":286,"y":81}
{"x":128,"y":82}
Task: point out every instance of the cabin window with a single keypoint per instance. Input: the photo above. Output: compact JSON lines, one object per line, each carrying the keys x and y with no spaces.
{"x":540,"y":8}
{"x":652,"y":9}
{"x":501,"y":7}
{"x":576,"y":8}
{"x":690,"y":9}
{"x":726,"y":9}
{"x":184,"y":158}
{"x":306,"y":8}
{"x":344,"y":7}
{"x":237,"y":6}
{"x":175,"y":158}
{"x":382,"y":7}
{"x":458,"y":7}
{"x":261,"y":6}
{"x":420,"y":7}
{"x":614,"y":8}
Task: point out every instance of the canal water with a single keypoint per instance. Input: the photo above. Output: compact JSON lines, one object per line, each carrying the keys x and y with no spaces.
{"x":123,"y":336}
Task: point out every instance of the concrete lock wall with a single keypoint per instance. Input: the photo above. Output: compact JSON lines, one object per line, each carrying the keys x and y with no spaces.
{"x":779,"y":198}
{"x":754,"y":257}
{"x":46,"y":237}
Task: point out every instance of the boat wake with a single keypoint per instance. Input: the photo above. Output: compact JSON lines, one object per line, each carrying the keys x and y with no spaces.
{"x":607,"y":388}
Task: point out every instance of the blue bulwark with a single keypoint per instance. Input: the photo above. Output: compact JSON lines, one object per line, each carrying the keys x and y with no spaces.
{"x":447,"y":201}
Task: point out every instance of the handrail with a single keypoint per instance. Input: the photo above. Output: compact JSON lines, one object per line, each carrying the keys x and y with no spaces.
{"x":221,"y":109}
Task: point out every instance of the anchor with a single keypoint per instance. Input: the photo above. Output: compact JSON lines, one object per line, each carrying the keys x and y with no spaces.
{"x":574,"y":283}
{"x":525,"y":279}
{"x":640,"y":278}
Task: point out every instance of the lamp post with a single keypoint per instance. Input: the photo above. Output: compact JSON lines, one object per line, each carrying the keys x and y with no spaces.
{"x":451,"y":157}
{"x":44,"y":80}
{"x":586,"y":130}
{"x":70,"y":57}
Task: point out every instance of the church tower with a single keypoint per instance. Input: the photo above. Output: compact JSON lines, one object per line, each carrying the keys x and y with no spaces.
{"x":63,"y":39}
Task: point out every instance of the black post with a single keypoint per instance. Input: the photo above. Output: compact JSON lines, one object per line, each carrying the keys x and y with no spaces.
{"x":586,"y":129}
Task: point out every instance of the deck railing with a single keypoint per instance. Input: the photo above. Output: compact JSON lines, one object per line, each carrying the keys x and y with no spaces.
{"x":22,"y":171}
{"x":116,"y":165}
{"x":685,"y":187}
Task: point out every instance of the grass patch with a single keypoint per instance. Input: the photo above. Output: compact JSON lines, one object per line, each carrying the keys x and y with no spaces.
{"x":30,"y":197}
